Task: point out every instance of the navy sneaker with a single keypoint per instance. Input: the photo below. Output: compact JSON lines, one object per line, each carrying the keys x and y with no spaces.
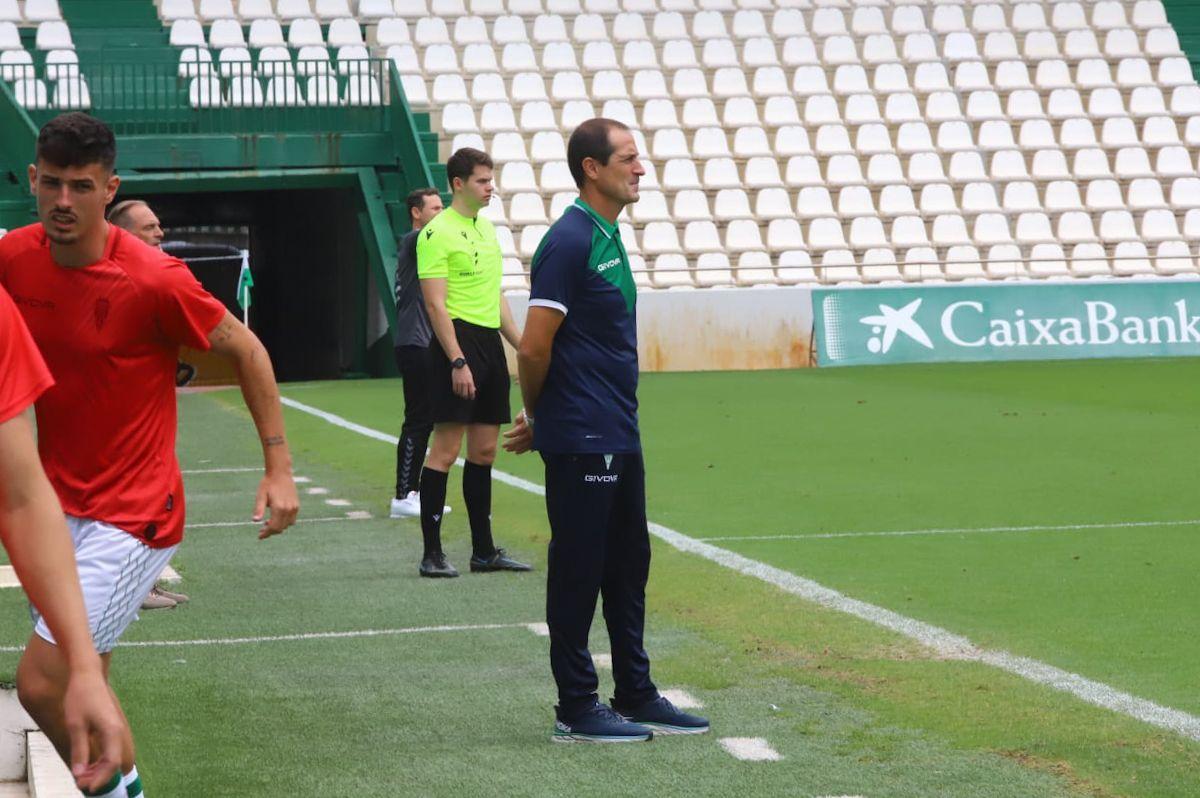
{"x":436,"y":566}
{"x":663,"y":717}
{"x":499,"y":561}
{"x":598,"y":724}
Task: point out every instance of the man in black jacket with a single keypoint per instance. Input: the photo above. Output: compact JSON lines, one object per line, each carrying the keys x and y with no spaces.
{"x":413,"y":334}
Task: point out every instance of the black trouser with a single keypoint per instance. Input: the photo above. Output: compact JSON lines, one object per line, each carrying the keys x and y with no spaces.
{"x":599,"y":545}
{"x":413,"y":362}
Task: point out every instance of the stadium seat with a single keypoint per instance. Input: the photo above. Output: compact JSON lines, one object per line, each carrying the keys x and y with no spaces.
{"x":527,"y":208}
{"x":838,"y":265}
{"x":42,"y":11}
{"x":754,"y":268}
{"x":266,"y":33}
{"x":71,"y":93}
{"x":313,"y":60}
{"x":353,"y":59}
{"x":170,"y":10}
{"x":1088,"y":260}
{"x":283,"y":90}
{"x":390,"y":31}
{"x":184,"y":33}
{"x":205,"y":92}
{"x":896,"y":200}
{"x":16,"y":64}
{"x":531,"y":237}
{"x":701,"y":236}
{"x":211,"y":10}
{"x":1004,"y":261}
{"x":305,"y":33}
{"x":362,"y":89}
{"x":1047,"y":259}
{"x":1174,"y":257}
{"x":235,"y":61}
{"x":322,"y":89}
{"x":276,"y":61}
{"x":246,"y":92}
{"x":288,"y":10}
{"x":671,"y":271}
{"x":660,"y":238}
{"x":248,"y":10}
{"x":794,"y":267}
{"x":345,"y":32}
{"x":1131,"y":257}
{"x":879,"y":265}
{"x":371,"y":9}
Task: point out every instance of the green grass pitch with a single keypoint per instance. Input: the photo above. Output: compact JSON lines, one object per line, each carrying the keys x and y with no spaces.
{"x":787,"y":468}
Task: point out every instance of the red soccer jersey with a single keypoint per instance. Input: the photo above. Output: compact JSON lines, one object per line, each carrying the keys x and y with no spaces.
{"x":110,"y":333}
{"x":23,"y":375}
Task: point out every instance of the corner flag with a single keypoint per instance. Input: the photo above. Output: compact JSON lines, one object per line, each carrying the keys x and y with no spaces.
{"x":245,"y":283}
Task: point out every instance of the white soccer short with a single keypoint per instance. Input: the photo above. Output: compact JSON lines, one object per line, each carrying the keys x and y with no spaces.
{"x":116,"y":571}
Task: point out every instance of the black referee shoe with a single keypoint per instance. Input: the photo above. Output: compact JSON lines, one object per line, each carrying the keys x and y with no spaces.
{"x":436,"y":566}
{"x":499,"y":561}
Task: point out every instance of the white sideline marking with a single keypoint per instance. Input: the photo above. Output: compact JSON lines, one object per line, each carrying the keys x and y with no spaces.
{"x":346,"y":517}
{"x":750,"y":749}
{"x":602,"y":661}
{"x":220,"y":470}
{"x":316,"y":491}
{"x":956,"y":531}
{"x":361,"y":633}
{"x":942,"y":641}
{"x":682,"y":699}
{"x":338,"y":502}
{"x":301,"y":480}
{"x":540,"y":629}
{"x":169,"y":574}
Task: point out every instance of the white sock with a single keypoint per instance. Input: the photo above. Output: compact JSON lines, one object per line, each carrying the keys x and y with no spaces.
{"x":133,"y":784}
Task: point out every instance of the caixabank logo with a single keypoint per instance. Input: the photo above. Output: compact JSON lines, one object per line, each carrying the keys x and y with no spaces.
{"x":1014,"y":322}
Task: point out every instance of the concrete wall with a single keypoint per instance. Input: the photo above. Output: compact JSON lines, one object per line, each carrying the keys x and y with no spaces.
{"x":717,"y":330}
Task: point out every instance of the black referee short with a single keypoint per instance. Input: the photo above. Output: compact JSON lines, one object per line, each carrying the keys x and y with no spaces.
{"x":484,"y":352}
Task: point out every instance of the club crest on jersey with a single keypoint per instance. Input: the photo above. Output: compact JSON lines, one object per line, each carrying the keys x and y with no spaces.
{"x":100,"y":313}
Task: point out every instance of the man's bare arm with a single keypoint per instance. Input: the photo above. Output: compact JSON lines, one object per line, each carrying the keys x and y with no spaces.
{"x":35,"y":535}
{"x":234,"y":341}
{"x":508,"y":326}
{"x":533,"y":363}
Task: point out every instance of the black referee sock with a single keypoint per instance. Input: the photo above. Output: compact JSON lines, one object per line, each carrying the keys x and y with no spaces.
{"x":433,"y":499}
{"x":477,"y":493}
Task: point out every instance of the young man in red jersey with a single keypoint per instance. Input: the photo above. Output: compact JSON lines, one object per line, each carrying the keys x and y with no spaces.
{"x":109,"y":314}
{"x":35,"y":537}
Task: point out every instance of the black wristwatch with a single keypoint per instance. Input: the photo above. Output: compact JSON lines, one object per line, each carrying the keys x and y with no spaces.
{"x":458,"y":363}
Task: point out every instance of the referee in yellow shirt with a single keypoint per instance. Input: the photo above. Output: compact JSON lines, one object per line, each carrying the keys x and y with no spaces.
{"x":459,"y":263}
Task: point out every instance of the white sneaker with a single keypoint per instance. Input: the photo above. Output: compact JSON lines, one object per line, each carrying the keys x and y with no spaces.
{"x":410,"y":506}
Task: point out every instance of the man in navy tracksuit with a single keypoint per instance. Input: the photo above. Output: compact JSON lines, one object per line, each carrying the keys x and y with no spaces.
{"x":578,"y":369}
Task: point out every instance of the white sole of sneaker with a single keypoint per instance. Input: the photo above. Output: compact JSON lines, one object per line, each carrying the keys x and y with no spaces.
{"x":670,"y":730}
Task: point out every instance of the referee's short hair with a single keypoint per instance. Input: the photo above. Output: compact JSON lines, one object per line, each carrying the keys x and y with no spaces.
{"x":590,"y":140}
{"x":416,"y":199}
{"x":463,"y":162}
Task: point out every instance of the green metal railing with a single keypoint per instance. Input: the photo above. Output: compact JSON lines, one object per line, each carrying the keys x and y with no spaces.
{"x":167,"y":98}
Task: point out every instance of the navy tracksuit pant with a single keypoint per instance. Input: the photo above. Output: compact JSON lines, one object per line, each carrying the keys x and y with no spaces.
{"x":599,"y":546}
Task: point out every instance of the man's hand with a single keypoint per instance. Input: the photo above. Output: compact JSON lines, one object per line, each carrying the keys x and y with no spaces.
{"x":96,"y":728}
{"x":463,"y":382}
{"x":519,"y":439}
{"x":277,"y":492}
